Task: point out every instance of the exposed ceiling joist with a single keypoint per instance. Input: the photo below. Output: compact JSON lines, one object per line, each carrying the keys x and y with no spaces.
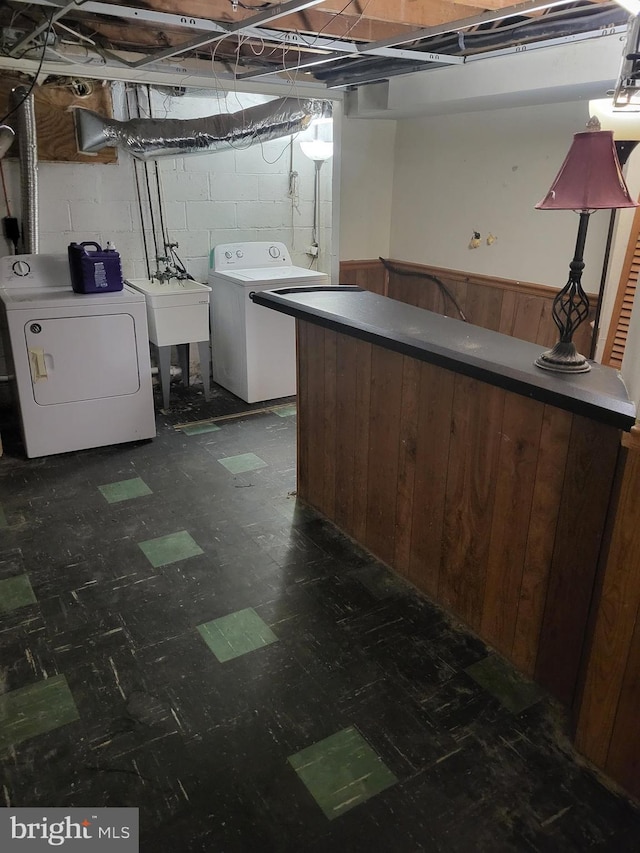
{"x":421,"y":14}
{"x":290,"y":40}
{"x":281,"y":10}
{"x":355,"y":78}
{"x":299,"y":41}
{"x":416,"y":56}
{"x":367,"y":49}
{"x":453,"y":26}
{"x":188,"y":73}
{"x":54,"y":16}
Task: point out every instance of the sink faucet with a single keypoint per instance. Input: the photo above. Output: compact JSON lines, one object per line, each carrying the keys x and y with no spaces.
{"x":168,"y":270}
{"x":165,"y":272}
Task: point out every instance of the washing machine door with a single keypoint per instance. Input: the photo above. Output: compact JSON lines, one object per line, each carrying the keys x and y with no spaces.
{"x":82,"y":358}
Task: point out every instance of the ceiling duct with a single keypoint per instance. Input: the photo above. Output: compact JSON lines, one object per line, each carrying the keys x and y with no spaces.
{"x":28,"y":154}
{"x":150,"y":138}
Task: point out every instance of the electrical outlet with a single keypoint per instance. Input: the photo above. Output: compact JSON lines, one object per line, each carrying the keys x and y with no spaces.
{"x":313,"y":250}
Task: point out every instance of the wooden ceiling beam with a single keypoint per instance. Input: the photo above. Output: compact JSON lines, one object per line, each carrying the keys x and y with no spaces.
{"x":140,"y":36}
{"x":362,"y":20}
{"x":350,"y":26}
{"x":423,"y":13}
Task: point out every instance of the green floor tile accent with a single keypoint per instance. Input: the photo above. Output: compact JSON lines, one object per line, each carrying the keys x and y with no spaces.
{"x":501,"y":680}
{"x":15,"y":592}
{"x":170,"y":549}
{"x":236,"y":634}
{"x":242,"y":463}
{"x":34,"y":710}
{"x":341,"y":772}
{"x":198,"y":429}
{"x":125,"y":490}
{"x":285,"y":411}
{"x":3,"y":519}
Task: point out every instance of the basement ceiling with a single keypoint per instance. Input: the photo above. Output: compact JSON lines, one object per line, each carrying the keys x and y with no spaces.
{"x":325,"y":43}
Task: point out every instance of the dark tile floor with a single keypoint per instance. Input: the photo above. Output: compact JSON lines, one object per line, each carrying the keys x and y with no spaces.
{"x":177,"y":633}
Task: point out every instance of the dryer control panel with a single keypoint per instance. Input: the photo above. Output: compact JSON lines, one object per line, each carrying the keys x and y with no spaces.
{"x":249,"y":256}
{"x":34,"y":271}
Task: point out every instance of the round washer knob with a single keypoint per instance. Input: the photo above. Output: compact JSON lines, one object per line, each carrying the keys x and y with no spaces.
{"x":21,"y":268}
{"x":228,"y":255}
{"x":274,"y":251}
{"x":239,"y":254}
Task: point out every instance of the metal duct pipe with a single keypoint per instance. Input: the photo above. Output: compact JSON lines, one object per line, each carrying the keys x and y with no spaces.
{"x":6,"y":139}
{"x":28,"y":153}
{"x":150,"y":138}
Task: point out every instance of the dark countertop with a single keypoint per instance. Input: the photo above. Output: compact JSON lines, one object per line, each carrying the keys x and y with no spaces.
{"x":460,"y":347}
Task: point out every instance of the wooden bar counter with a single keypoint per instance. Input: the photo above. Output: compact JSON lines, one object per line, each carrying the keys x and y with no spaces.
{"x":485,"y":481}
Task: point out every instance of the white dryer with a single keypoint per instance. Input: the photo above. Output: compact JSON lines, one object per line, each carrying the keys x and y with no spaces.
{"x":80,"y":362}
{"x":254,"y":348}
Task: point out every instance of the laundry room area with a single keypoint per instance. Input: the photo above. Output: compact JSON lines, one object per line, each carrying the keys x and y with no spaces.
{"x":164,"y":217}
{"x":301,"y":548}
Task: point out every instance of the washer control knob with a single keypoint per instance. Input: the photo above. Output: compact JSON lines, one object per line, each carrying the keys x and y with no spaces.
{"x":21,"y":268}
{"x":239,"y":254}
{"x":228,"y":255}
{"x":274,"y":251}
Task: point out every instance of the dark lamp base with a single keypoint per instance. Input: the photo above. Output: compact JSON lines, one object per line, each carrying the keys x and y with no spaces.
{"x":563,"y":358}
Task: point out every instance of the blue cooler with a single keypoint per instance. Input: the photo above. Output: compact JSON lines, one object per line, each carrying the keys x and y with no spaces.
{"x":94,"y":272}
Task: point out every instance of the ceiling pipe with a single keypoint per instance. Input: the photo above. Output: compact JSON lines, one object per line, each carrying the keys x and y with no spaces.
{"x":28,"y":153}
{"x":151,"y":138}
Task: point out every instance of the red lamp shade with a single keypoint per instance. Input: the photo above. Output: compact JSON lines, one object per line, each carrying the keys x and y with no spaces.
{"x":590,"y":177}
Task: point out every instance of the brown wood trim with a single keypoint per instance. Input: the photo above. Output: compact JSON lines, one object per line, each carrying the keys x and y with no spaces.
{"x":631,"y":439}
{"x":359,"y":265}
{"x":581,"y":516}
{"x":609,"y":659}
{"x":522,"y":287}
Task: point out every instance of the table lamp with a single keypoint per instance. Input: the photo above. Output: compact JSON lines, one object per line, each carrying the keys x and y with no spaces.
{"x":589,"y":179}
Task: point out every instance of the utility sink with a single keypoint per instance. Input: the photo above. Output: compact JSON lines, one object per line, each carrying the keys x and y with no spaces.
{"x":177,"y":310}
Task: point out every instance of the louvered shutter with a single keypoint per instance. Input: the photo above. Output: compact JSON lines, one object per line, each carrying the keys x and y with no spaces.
{"x":621,"y":315}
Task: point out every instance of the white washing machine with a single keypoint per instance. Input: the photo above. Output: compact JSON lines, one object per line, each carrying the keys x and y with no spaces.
{"x":254,"y":348}
{"x":80,"y":362}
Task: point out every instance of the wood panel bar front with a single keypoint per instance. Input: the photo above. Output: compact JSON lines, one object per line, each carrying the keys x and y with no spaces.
{"x":609,"y":704}
{"x":491,"y":503}
{"x":507,"y":494}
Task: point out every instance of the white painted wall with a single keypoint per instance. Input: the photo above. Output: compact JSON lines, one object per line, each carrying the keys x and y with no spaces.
{"x":485,"y":171}
{"x":367,"y":151}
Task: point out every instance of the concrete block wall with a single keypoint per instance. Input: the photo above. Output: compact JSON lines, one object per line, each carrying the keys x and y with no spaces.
{"x":226,"y":196}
